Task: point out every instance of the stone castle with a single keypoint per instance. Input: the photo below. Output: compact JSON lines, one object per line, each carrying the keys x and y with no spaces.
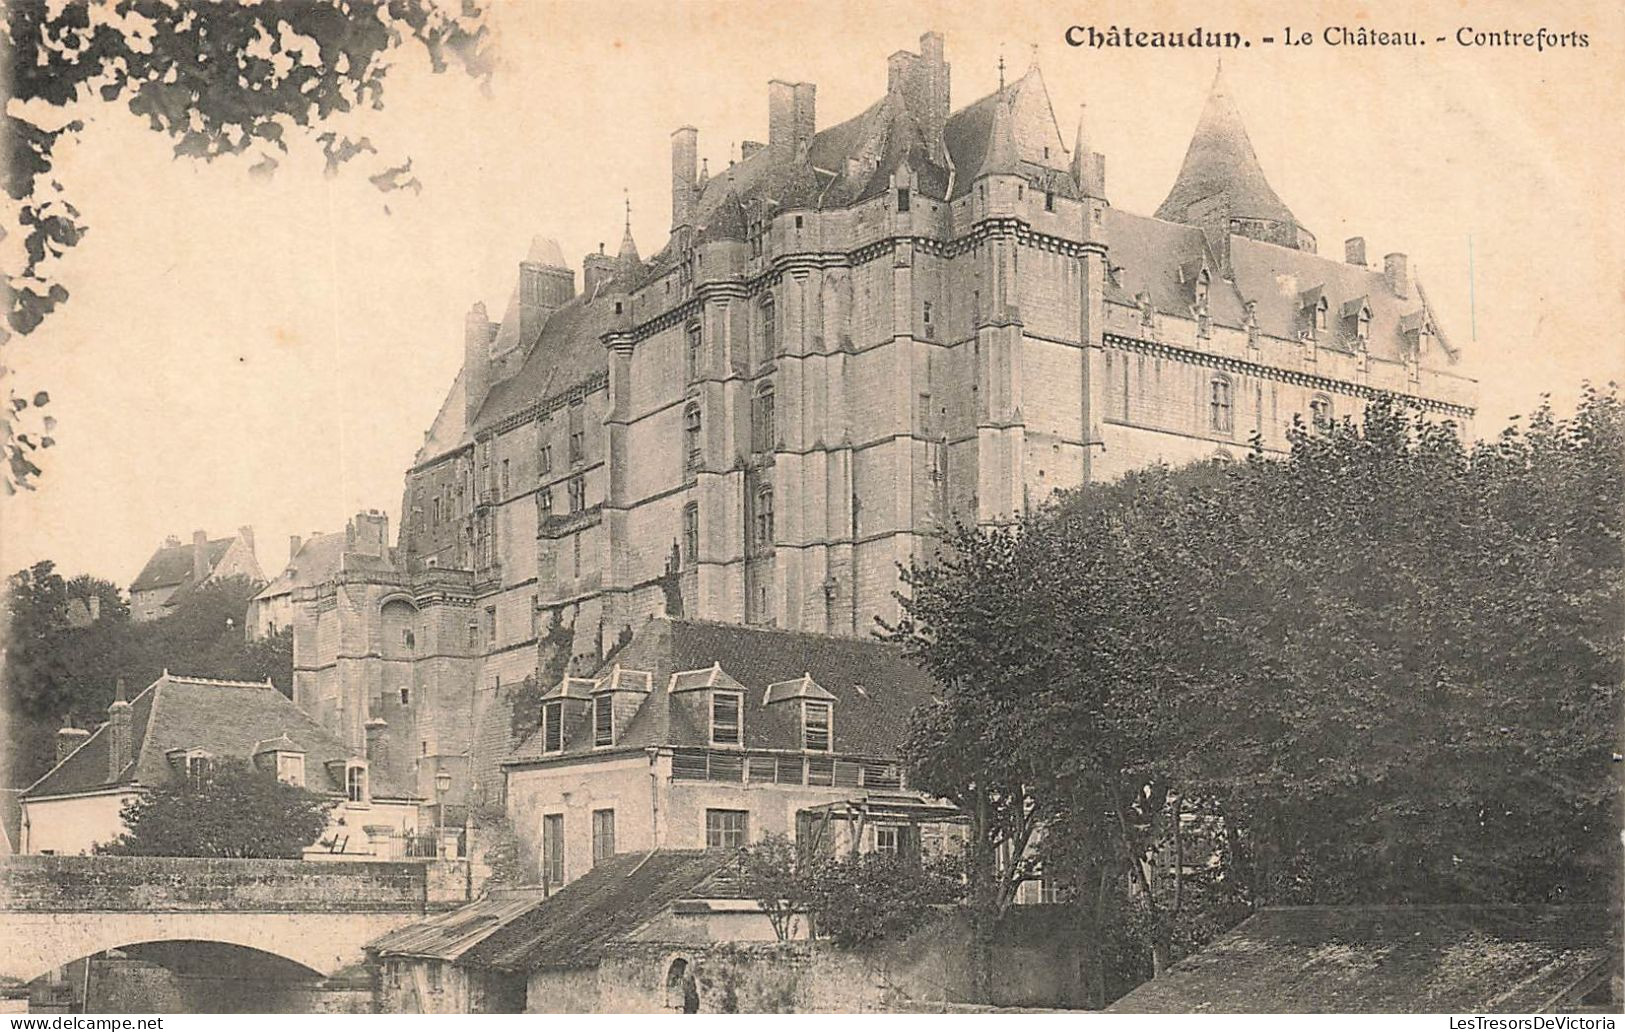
{"x":854,"y":336}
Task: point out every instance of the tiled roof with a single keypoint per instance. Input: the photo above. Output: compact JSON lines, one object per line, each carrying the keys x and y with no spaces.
{"x":570,"y":928}
{"x":449,"y":431}
{"x":875,"y":689}
{"x":448,"y":936}
{"x":222,"y":718}
{"x":172,"y":564}
{"x":318,"y":560}
{"x":1027,"y":123}
{"x":1392,"y":959}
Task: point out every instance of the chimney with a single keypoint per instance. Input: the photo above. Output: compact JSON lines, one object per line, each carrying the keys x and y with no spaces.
{"x":200,"y":556}
{"x":803,"y":117}
{"x":685,"y":149}
{"x":1396,"y":269}
{"x":118,"y":733}
{"x":780,"y":113}
{"x":69,"y":738}
{"x":477,"y":334}
{"x":545,"y":286}
{"x":922,"y":79}
{"x":1354,"y":251}
{"x":749,"y":147}
{"x":295,"y":542}
{"x":368,"y":534}
{"x":596,"y":270}
{"x":377,"y":732}
{"x":172,"y":542}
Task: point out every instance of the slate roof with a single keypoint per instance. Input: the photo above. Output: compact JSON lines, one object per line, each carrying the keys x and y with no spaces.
{"x":569,"y":929}
{"x":1151,"y":253}
{"x":172,"y":564}
{"x":875,"y":690}
{"x":448,"y":936}
{"x":223,"y":718}
{"x":1221,"y":163}
{"x":1392,"y":959}
{"x":319,"y":558}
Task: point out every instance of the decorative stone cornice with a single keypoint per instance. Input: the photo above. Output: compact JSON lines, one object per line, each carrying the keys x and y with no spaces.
{"x":1314,"y":381}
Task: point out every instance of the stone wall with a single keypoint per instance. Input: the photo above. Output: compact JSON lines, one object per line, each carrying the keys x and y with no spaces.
{"x":1037,"y":962}
{"x":61,"y":884}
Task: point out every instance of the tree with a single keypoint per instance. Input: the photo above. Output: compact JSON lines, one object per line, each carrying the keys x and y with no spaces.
{"x":1382,"y":668}
{"x":234,"y":810}
{"x":55,"y":671}
{"x":220,"y":79}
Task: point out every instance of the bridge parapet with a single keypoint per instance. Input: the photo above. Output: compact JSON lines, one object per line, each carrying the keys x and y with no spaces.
{"x":62,"y":884}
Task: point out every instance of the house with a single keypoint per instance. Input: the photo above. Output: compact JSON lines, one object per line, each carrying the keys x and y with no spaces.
{"x":175,"y":570}
{"x":700,"y":735}
{"x":180,"y":725}
{"x":675,"y":931}
{"x":311,"y":561}
{"x":1460,"y":959}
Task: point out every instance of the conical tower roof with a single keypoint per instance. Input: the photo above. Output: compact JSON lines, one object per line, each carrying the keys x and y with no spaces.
{"x":1221,"y":166}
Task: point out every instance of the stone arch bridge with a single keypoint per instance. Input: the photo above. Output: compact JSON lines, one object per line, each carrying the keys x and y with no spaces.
{"x":320,"y":914}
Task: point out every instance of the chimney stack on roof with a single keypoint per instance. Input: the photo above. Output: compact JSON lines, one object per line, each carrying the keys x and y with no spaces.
{"x":1396,"y":269}
{"x":546,"y":284}
{"x":247,"y":534}
{"x":118,"y":733}
{"x":1354,"y":251}
{"x":368,"y":534}
{"x":685,"y":149}
{"x":69,"y":738}
{"x":200,"y":556}
{"x":295,"y":542}
{"x":477,"y":335}
{"x":791,"y":116}
{"x":922,"y":80}
{"x":596,"y":270}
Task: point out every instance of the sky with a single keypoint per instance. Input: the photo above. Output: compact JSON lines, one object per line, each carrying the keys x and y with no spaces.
{"x":239,"y":351}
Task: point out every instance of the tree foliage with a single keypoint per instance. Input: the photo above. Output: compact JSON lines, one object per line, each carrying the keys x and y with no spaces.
{"x":219,"y":79}
{"x":234,"y":810}
{"x":1384,"y":667}
{"x":55,"y":671}
{"x":852,"y":899}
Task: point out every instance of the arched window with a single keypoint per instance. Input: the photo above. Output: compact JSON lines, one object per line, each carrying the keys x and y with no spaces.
{"x":1320,"y":412}
{"x":691,"y":439}
{"x":764,"y":518}
{"x":1219,"y":405}
{"x":762,"y":429}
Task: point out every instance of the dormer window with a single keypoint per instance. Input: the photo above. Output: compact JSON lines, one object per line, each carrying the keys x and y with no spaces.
{"x":1320,"y":315}
{"x":902,"y":199}
{"x":816,"y":719}
{"x":355,"y":782}
{"x":603,"y":720}
{"x":1199,"y":289}
{"x":553,"y":727}
{"x":1362,"y":325}
{"x":198,"y":766}
{"x":290,"y":769}
{"x":726,"y":718}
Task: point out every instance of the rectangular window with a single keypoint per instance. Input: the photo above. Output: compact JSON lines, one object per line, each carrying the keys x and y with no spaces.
{"x":902,"y":200}
{"x":691,"y":535}
{"x":820,"y":771}
{"x":544,"y":460}
{"x":726,"y":829}
{"x":544,"y":504}
{"x":603,"y":720}
{"x":578,"y":434}
{"x":406,"y":696}
{"x":553,"y":849}
{"x":603,"y":835}
{"x":506,"y":483}
{"x":725,"y":718}
{"x":491,"y":625}
{"x":1049,"y":200}
{"x":355,"y":783}
{"x":578,"y":495}
{"x":692,"y":362}
{"x":815,"y":726}
{"x":886,"y":839}
{"x":552,"y":727}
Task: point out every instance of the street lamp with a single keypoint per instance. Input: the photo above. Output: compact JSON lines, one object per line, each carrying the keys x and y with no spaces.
{"x":442,"y":785}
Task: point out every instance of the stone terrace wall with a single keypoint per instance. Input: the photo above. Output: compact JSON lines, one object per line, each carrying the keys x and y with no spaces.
{"x":132,"y":883}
